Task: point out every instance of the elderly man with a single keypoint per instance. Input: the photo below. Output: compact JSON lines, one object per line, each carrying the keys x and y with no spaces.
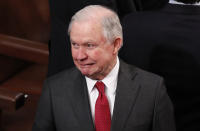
{"x":103,"y":93}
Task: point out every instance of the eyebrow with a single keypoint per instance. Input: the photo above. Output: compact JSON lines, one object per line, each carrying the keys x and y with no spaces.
{"x":89,"y":41}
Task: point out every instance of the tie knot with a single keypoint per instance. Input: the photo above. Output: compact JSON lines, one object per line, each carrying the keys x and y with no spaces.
{"x":100,"y":86}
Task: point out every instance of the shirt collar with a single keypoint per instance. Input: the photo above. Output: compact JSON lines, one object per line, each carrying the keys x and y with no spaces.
{"x":110,"y":80}
{"x":180,"y":3}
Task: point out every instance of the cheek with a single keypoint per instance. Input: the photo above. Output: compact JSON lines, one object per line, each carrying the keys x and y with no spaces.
{"x":95,"y":55}
{"x":74,"y":53}
{"x":101,"y":57}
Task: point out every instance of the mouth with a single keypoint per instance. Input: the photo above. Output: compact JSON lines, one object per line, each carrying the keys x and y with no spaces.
{"x":86,"y":65}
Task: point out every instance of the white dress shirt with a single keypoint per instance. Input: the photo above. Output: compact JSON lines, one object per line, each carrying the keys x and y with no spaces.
{"x":110,"y":82}
{"x":180,"y":3}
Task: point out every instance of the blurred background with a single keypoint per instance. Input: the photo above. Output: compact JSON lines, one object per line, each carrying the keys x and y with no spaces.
{"x":24,"y":37}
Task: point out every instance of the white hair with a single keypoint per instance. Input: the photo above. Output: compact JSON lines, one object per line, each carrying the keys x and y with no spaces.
{"x":109,"y":20}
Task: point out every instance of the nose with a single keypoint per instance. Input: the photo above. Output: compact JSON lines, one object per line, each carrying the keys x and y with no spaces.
{"x":81,"y":54}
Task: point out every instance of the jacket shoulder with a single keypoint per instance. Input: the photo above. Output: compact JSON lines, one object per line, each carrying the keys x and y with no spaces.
{"x":142,"y":76}
{"x":64,"y":76}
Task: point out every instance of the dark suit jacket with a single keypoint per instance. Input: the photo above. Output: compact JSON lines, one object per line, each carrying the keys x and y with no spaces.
{"x":167,"y":43}
{"x":141,"y":103}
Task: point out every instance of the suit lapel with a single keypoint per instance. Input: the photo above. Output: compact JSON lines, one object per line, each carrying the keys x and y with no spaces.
{"x":80,"y":102}
{"x":126,"y":94}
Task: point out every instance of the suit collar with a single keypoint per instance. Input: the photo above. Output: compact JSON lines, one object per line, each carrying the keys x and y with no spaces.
{"x":182,"y":9}
{"x":126,"y":95}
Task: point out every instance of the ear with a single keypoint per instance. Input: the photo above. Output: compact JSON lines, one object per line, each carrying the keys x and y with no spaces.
{"x":117,"y":45}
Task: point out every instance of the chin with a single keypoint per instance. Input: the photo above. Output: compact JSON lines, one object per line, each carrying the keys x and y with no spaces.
{"x":86,"y":73}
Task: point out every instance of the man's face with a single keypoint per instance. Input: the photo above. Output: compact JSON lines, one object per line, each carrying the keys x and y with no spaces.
{"x":91,"y":53}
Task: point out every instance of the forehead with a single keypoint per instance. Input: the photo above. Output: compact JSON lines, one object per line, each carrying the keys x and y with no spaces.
{"x":86,"y":25}
{"x":86,"y":30}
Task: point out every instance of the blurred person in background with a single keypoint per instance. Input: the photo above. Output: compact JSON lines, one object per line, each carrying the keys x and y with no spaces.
{"x":166,"y":42}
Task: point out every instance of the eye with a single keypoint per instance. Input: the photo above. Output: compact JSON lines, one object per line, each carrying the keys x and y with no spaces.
{"x":90,"y":45}
{"x":75,"y":45}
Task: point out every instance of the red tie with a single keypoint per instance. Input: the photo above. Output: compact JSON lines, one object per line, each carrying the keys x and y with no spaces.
{"x":102,"y":111}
